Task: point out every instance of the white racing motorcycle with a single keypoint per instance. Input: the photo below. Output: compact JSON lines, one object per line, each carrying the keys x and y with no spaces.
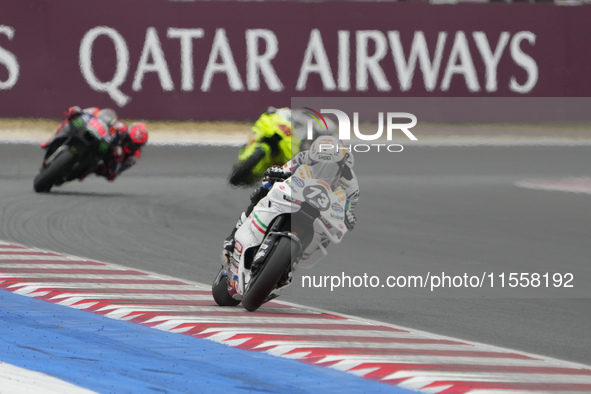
{"x":295,"y":219}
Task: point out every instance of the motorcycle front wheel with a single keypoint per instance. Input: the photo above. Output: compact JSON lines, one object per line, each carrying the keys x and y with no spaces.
{"x":219,"y":291}
{"x":261,"y":286}
{"x":50,"y":175}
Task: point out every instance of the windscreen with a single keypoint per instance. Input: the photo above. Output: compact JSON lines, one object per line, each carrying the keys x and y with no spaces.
{"x":326,"y":171}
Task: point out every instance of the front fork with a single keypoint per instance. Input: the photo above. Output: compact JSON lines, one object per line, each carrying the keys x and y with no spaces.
{"x":53,"y":155}
{"x":231,"y":284}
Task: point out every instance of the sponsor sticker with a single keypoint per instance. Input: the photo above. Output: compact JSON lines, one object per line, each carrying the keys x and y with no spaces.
{"x":323,"y":184}
{"x":297,"y":181}
{"x":337,"y":216}
{"x":289,"y":199}
{"x":238,"y":246}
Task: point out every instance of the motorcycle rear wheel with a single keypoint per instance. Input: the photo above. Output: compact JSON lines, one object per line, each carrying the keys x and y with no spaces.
{"x":261,"y":286}
{"x":48,"y":176}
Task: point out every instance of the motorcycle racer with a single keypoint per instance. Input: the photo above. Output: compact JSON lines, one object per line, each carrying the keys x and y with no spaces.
{"x":104,"y":121}
{"x":276,"y":137}
{"x":328,"y":161}
{"x":126,"y":152}
{"x":124,"y":143}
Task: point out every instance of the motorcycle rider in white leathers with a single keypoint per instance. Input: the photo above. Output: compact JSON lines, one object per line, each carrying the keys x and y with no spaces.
{"x":327,"y":149}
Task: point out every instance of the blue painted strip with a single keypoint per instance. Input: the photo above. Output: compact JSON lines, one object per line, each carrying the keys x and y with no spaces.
{"x":112,"y":356}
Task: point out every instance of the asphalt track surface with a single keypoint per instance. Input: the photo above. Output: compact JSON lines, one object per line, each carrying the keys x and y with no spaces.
{"x":425,"y":209}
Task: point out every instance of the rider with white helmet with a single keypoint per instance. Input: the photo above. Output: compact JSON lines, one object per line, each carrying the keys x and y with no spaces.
{"x":328,"y":160}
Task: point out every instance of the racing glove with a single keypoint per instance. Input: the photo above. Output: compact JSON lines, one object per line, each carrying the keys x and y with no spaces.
{"x":350,"y":220}
{"x":276,"y":174}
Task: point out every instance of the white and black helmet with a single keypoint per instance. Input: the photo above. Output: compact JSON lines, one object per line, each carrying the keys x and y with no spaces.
{"x":327,"y":158}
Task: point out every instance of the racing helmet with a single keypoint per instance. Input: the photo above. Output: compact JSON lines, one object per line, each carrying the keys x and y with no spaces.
{"x":273,"y":120}
{"x":138,"y":135}
{"x":284,"y":121}
{"x":327,"y":158}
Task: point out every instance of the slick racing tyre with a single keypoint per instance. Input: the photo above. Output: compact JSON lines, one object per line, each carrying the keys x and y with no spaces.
{"x":261,"y":286}
{"x":219,"y":291}
{"x":54,"y":172}
{"x":242,"y":173}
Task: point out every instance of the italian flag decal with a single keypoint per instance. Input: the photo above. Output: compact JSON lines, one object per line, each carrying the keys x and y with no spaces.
{"x":259,"y":224}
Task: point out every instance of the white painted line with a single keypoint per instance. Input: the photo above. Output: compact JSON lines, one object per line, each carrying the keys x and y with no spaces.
{"x":288,"y":345}
{"x":572,"y":185}
{"x":39,"y":257}
{"x":168,"y":322}
{"x":57,"y":266}
{"x":307,"y":331}
{"x":16,"y":380}
{"x":76,"y":276}
{"x":163,"y":309}
{"x":34,"y":286}
{"x":132,"y":296}
{"x":431,"y":376}
{"x":348,"y":361}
